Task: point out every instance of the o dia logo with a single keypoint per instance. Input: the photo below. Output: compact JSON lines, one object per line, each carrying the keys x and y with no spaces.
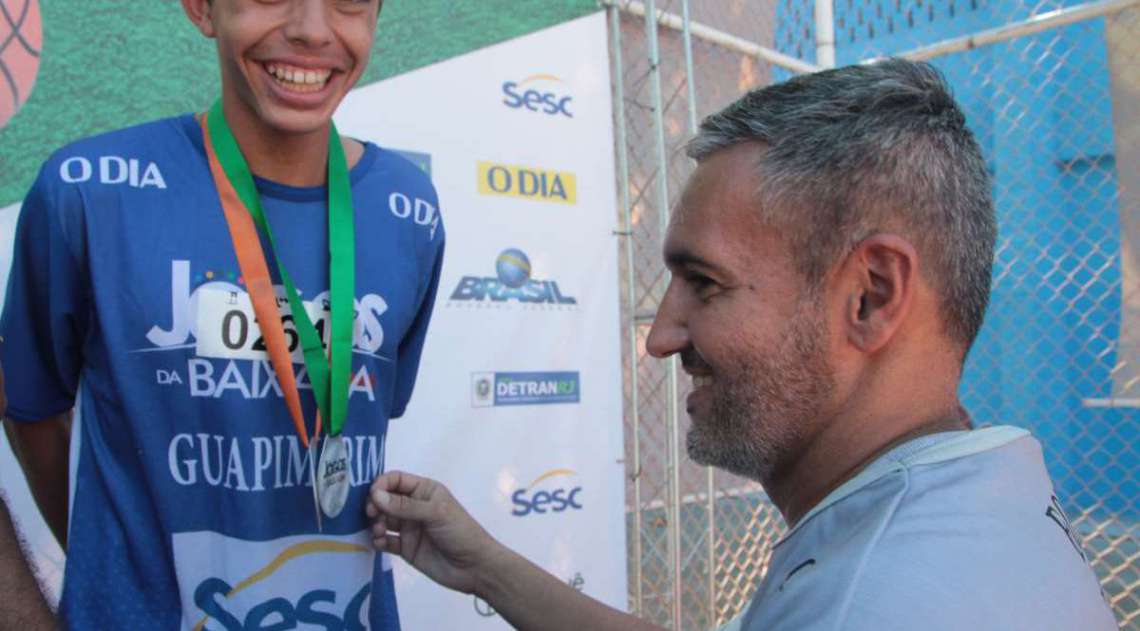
{"x":21,"y":39}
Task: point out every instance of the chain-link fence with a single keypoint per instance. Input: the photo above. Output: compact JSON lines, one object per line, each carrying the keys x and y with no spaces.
{"x":1052,"y":91}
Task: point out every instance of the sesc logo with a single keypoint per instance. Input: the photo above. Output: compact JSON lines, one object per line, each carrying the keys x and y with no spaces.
{"x":317,"y":607}
{"x":524,"y":388}
{"x":527,"y":183}
{"x":538,"y":93}
{"x":297,"y":582}
{"x":512,"y":283}
{"x":550,"y":498}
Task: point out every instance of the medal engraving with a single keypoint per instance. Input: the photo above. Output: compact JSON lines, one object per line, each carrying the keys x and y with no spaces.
{"x":333,"y":476}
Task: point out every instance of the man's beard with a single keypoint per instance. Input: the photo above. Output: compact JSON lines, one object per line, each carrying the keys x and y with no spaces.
{"x":764,"y":407}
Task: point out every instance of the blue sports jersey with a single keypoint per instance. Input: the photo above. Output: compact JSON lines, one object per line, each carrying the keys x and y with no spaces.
{"x":193,"y":504}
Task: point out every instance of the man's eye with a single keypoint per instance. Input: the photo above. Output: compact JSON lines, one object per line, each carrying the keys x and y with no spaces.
{"x":701,"y":284}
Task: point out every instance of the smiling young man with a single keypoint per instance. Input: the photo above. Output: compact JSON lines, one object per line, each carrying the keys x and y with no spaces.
{"x":245,"y":315}
{"x":830,"y":260}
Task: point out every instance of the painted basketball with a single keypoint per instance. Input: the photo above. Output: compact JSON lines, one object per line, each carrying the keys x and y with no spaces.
{"x":513,"y":268}
{"x":21,"y":40}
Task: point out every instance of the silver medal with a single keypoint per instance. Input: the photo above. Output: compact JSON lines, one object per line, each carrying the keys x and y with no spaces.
{"x":333,"y":476}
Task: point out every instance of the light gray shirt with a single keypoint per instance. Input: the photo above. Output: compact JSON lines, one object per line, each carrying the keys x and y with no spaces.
{"x":952,"y":531}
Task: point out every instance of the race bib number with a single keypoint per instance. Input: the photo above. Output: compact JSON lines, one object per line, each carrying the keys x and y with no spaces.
{"x":228,"y":329}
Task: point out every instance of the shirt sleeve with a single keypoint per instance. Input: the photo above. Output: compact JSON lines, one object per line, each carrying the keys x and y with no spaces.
{"x":46,"y":316}
{"x":411,"y":347}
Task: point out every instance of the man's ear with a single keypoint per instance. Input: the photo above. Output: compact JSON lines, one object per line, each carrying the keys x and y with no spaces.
{"x":200,"y":14}
{"x":881,"y":276}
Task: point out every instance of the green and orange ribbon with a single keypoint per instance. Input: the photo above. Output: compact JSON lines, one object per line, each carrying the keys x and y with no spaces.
{"x":242,"y":207}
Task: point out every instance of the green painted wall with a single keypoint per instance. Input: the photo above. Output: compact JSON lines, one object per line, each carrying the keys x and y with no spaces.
{"x":107,"y":64}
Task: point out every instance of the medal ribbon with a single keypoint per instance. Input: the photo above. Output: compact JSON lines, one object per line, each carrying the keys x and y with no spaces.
{"x":242,"y":207}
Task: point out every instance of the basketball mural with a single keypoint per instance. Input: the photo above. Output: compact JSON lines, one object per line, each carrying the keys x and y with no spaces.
{"x":21,"y":39}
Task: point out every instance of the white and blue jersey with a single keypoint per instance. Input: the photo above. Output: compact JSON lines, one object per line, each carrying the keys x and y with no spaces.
{"x":192,"y":502}
{"x":952,"y":531}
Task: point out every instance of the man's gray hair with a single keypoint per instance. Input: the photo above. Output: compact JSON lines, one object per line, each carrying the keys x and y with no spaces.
{"x":863,"y":149}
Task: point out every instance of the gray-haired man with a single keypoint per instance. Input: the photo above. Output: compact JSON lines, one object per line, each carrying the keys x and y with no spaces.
{"x":831,"y":260}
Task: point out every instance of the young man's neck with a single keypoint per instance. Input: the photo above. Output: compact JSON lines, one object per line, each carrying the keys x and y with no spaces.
{"x":291,"y":159}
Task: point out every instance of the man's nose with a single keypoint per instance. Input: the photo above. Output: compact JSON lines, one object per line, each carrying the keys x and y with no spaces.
{"x":669,"y":333}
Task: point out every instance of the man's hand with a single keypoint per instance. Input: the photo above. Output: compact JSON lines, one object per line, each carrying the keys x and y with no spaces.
{"x":419,"y":520}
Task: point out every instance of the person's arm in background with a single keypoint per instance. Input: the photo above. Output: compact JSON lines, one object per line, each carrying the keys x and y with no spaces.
{"x":42,"y":449}
{"x":23,"y":607}
{"x":418,"y":519}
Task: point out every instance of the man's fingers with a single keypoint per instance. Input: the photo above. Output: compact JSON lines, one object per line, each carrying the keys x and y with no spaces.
{"x":403,"y":496}
{"x":380,"y":527}
{"x":398,"y":507}
{"x":388,"y":542}
{"x":395,"y":524}
{"x":403,"y":483}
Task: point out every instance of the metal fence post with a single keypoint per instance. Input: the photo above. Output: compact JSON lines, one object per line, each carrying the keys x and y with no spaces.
{"x":824,"y":34}
{"x":671,"y":363}
{"x":631,"y":296}
{"x":710,"y":488}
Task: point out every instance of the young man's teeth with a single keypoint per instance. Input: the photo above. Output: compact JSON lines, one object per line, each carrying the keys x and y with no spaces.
{"x":699,"y":381}
{"x":298,"y":79}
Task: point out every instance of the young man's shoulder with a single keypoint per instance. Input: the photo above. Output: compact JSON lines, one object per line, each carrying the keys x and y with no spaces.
{"x":134,"y":157}
{"x":404,"y":182}
{"x":149,"y":137}
{"x":402,"y":169}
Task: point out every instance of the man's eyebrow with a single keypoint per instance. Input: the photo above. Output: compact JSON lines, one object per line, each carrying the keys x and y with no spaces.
{"x":686,"y":258}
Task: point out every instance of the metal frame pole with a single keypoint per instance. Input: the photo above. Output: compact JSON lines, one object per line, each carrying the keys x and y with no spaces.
{"x":631,"y":297}
{"x":716,"y":36}
{"x":710,"y":507}
{"x":671,"y":364}
{"x":824,"y":33}
{"x":1036,"y":24}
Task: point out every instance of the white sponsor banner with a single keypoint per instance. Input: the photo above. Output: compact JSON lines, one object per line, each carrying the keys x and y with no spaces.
{"x":518,"y":403}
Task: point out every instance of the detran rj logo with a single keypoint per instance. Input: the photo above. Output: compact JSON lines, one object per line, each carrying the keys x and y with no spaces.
{"x":512,"y":283}
{"x":524,"y":388}
{"x":550,"y":492}
{"x":543,"y":93}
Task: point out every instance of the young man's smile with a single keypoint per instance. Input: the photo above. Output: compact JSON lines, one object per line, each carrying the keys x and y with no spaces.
{"x":287,"y":65}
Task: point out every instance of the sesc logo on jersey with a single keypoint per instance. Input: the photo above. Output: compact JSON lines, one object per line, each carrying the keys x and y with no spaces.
{"x":304,"y":582}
